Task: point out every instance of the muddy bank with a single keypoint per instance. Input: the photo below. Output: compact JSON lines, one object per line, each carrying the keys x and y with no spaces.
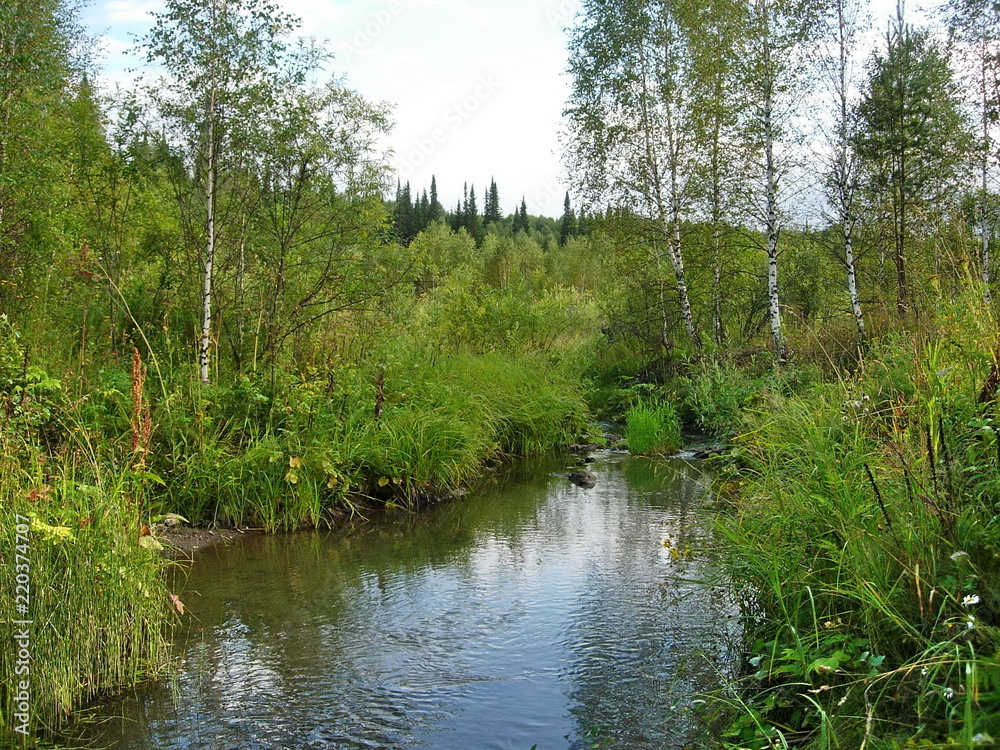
{"x":183,"y":541}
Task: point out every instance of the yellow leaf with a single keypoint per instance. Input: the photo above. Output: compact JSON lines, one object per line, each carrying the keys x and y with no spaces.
{"x":383,"y":481}
{"x":291,"y":477}
{"x":295,"y":462}
{"x":149,"y":542}
{"x":52,"y":533}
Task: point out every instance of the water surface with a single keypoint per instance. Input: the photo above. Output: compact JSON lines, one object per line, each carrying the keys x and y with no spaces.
{"x":530,"y":612}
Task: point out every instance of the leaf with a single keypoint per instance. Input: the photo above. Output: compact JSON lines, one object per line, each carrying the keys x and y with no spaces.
{"x":383,"y":481}
{"x":39,"y":493}
{"x":144,"y":530}
{"x":150,"y":543}
{"x":178,"y":604}
{"x":291,"y":477}
{"x":332,"y":482}
{"x":55,"y":534}
{"x":154,"y":478}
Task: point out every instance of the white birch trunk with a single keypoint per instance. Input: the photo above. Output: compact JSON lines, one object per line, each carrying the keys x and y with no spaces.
{"x":771,"y":198}
{"x":669,"y":220}
{"x":206,"y":319}
{"x":845,"y":178}
{"x":984,"y":226}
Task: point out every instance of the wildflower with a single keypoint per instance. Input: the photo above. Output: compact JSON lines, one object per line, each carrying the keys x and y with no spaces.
{"x":970,"y":622}
{"x":970,"y":600}
{"x":949,"y":693}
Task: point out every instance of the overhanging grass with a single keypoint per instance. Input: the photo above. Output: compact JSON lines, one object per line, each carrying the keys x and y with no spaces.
{"x":98,"y":602}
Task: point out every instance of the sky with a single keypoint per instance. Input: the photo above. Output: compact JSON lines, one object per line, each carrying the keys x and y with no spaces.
{"x":477,"y":87}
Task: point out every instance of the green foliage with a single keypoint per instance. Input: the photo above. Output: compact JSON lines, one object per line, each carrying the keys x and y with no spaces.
{"x":98,"y":598}
{"x":865,"y":529}
{"x":653,"y":428}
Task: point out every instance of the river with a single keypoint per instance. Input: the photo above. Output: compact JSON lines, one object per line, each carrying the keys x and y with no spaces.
{"x":531,"y":612}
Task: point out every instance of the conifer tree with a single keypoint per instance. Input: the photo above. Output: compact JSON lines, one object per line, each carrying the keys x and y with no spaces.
{"x":405,"y":218}
{"x":436,"y":209}
{"x":520,"y":223}
{"x":491,"y":211}
{"x":567,"y":224}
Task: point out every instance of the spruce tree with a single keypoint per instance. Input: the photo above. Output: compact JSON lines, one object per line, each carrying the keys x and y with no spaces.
{"x":567,"y":225}
{"x":491,"y":211}
{"x":521,"y":218}
{"x":436,"y":209}
{"x":404,"y":215}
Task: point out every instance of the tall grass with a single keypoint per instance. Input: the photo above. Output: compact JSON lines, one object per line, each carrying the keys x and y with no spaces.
{"x":653,"y":428}
{"x":865,"y":539}
{"x":98,"y":602}
{"x":409,"y":428}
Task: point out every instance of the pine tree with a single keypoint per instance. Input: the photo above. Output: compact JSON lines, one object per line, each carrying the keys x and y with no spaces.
{"x":520,"y":223}
{"x":567,"y":224}
{"x":912,"y":136}
{"x":491,"y":211}
{"x":436,"y":209}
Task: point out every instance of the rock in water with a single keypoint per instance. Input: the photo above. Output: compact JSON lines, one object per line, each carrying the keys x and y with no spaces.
{"x":582,"y":478}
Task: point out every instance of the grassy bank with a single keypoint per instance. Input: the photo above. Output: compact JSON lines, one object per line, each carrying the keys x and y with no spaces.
{"x":863,"y":531}
{"x":86,"y":469}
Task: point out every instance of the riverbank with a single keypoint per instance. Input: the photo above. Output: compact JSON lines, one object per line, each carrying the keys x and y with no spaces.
{"x":860,"y":517}
{"x":89,"y":476}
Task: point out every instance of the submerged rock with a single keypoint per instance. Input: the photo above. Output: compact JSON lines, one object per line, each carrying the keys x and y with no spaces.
{"x":579,"y":477}
{"x":582,"y":478}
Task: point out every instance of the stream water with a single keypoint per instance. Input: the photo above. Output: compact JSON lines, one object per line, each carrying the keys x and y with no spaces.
{"x":530,"y":612}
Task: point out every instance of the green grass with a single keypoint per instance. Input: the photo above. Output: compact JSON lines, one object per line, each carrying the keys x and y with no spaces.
{"x":865,"y":543}
{"x":653,"y":428}
{"x":98,"y":601}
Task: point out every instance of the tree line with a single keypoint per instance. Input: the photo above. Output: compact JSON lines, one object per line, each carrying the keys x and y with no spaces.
{"x":412,"y":215}
{"x":731,"y":116}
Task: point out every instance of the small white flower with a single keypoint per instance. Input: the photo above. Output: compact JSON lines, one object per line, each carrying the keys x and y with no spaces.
{"x":949,"y":693}
{"x":970,"y":600}
{"x":970,"y":622}
{"x":924,"y":671}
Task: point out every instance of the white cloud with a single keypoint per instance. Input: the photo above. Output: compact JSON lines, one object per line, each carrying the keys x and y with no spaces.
{"x":130,"y":11}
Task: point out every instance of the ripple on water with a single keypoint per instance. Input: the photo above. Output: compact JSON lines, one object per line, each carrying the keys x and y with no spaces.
{"x":536,"y":613}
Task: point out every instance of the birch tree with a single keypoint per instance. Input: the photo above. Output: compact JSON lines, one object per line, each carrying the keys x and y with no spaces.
{"x":222,"y":61}
{"x":628,"y":121}
{"x":842,"y":180}
{"x":975,"y":24}
{"x":771,"y":50}
{"x":713,"y":34}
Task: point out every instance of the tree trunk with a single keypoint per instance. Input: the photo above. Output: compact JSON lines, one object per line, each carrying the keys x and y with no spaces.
{"x":206,"y":319}
{"x":845,"y":179}
{"x":772,"y":229}
{"x":984,"y":220}
{"x":677,"y":259}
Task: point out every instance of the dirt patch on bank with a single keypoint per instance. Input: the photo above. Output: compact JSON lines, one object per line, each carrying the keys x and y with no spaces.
{"x":184,"y":541}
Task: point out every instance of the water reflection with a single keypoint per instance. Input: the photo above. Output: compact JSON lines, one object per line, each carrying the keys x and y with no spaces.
{"x":533,"y":612}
